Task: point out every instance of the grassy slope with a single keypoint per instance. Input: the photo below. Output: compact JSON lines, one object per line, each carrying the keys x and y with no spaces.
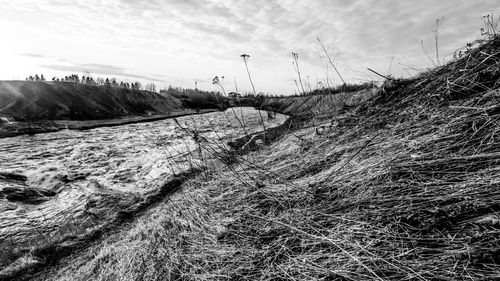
{"x":77,"y":102}
{"x":404,"y":187}
{"x":317,"y":105}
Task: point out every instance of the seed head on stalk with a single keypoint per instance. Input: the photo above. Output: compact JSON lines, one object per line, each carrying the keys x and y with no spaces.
{"x":245,"y":60}
{"x":295,"y":63}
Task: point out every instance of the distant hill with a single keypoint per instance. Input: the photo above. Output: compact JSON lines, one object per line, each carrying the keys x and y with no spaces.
{"x":22,"y":100}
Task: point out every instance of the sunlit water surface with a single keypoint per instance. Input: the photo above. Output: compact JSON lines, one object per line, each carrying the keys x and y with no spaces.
{"x":94,"y":172}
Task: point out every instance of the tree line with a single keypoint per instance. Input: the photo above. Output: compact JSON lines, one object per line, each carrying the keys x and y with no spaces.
{"x":99,"y":81}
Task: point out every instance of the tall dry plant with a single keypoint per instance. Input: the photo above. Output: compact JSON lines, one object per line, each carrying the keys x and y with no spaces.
{"x":435,"y":31}
{"x":296,"y":85}
{"x":439,"y":22}
{"x":491,"y":23}
{"x":245,"y":60}
{"x":239,"y":101}
{"x":220,"y":84}
{"x":426,"y":53}
{"x":295,"y":64}
{"x":330,"y":59}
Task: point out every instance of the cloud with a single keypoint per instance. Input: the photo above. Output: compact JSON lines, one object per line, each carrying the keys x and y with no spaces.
{"x":31,"y":55}
{"x":179,"y":40}
{"x":103,"y":69}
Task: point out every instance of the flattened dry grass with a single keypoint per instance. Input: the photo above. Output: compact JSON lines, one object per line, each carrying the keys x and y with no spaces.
{"x":404,"y":187}
{"x":176,"y":241}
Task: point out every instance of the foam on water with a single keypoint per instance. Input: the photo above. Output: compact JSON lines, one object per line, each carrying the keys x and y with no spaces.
{"x":93,"y":173}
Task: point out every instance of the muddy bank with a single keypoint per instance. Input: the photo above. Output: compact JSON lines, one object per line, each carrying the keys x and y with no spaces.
{"x":16,"y":128}
{"x":254,"y":141}
{"x":310,"y":110}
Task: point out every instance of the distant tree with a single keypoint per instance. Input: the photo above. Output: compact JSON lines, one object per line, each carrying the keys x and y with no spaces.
{"x":170,"y":90}
{"x":37,"y":78}
{"x":136,"y":85}
{"x":42,"y":78}
{"x":54,"y":78}
{"x":150,"y":87}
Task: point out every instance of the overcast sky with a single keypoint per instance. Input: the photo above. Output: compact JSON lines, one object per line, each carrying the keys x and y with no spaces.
{"x":178,"y":42}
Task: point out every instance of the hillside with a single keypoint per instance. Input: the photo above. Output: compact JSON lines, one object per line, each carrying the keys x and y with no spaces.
{"x":28,"y":107}
{"x":53,"y":101}
{"x":402,"y":187}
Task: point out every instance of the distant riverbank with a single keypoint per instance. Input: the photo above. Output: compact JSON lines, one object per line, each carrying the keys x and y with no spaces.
{"x":28,"y":107}
{"x":13,"y":128}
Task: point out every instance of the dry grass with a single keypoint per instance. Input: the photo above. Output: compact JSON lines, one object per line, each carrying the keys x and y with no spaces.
{"x":177,"y":240}
{"x":404,"y":187}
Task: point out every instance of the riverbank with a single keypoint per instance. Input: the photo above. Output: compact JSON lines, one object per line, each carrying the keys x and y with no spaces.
{"x":29,"y":107}
{"x":319,"y":105}
{"x":402,"y":187}
{"x":43,"y":100}
{"x":14,"y":128}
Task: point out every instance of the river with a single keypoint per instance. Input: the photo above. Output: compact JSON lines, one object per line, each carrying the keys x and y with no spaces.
{"x":69,"y":183}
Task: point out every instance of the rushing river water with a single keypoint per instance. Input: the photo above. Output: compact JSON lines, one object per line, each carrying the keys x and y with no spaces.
{"x":72,"y":181}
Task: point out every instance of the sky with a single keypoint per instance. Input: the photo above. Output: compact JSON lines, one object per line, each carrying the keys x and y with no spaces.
{"x":180,"y":42}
